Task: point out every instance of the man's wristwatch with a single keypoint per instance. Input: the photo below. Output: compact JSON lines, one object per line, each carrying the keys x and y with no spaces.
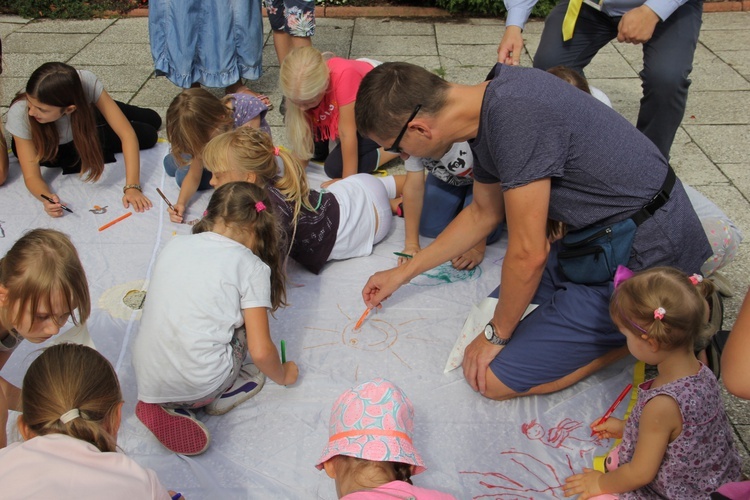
{"x":491,"y":336}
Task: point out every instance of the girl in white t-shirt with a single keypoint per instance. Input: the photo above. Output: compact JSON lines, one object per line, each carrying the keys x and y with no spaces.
{"x":42,"y":283}
{"x":207,"y":306}
{"x":72,"y":408}
{"x":66,"y":119}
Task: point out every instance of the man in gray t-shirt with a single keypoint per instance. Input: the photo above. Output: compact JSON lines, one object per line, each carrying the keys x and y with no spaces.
{"x":544,"y":150}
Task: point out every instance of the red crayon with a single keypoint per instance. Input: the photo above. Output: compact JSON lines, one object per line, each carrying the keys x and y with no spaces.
{"x":613,"y":407}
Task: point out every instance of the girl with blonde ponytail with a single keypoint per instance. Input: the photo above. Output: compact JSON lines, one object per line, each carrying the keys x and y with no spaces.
{"x":341,"y":223}
{"x":320,"y":95}
{"x":72,"y":408}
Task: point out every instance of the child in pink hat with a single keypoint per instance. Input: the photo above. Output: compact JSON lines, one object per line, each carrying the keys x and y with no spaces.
{"x":370,"y":453}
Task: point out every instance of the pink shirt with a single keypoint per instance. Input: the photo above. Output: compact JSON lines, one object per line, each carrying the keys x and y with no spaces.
{"x":61,"y":467}
{"x":398,"y":489}
{"x":345,"y":77}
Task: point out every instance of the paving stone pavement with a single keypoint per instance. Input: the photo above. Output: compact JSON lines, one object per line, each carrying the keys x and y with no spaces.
{"x":710,"y":150}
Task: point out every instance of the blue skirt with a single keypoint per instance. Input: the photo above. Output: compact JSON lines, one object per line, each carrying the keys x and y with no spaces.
{"x":212,"y":42}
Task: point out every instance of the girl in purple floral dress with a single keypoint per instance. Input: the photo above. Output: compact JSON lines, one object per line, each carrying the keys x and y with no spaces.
{"x":677,"y":442}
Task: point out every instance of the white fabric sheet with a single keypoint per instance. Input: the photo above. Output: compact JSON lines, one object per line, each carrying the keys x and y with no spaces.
{"x":267,"y":447}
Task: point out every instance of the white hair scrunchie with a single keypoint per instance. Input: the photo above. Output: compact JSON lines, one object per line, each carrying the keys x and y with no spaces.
{"x":70,"y":415}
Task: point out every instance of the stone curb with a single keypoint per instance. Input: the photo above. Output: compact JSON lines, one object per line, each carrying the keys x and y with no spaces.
{"x":342,"y":11}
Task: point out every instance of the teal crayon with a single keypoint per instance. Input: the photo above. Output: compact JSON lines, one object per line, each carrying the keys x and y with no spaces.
{"x":283,"y":352}
{"x":401,"y":254}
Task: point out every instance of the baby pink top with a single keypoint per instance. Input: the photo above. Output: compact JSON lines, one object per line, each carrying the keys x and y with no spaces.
{"x":400,"y":490}
{"x":61,"y":467}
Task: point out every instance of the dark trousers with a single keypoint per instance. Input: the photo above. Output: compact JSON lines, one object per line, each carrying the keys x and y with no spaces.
{"x":368,"y":159}
{"x":667,"y":61}
{"x":145,"y":122}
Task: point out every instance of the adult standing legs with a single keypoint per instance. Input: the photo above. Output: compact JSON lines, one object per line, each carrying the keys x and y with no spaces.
{"x":667,"y":63}
{"x":593,"y":31}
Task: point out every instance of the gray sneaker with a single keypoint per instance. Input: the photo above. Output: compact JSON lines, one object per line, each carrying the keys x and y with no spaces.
{"x":249,"y":383}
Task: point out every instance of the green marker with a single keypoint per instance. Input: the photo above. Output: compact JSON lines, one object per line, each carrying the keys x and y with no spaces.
{"x":283,"y":352}
{"x":401,"y":254}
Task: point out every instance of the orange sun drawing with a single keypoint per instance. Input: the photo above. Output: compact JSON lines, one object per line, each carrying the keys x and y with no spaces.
{"x":375,"y":335}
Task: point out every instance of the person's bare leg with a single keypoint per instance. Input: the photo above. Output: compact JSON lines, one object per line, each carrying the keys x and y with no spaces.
{"x":283,"y":43}
{"x":498,"y":391}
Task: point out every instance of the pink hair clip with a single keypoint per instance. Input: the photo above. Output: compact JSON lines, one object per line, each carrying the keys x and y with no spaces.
{"x":259,"y":206}
{"x":205,"y":213}
{"x":276,"y":151}
{"x":659,"y":313}
{"x":695,"y":279}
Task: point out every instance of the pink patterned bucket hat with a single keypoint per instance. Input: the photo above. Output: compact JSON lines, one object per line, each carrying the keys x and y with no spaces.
{"x":373,"y":421}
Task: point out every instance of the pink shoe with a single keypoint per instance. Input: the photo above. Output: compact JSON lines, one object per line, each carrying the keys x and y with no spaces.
{"x":178,"y":430}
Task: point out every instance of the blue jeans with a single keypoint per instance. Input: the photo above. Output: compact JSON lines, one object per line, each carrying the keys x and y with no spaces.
{"x":442,"y":202}
{"x":179,"y":173}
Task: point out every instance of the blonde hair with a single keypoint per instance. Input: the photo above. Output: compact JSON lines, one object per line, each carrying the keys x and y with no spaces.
{"x":365,"y":473}
{"x":635,"y":301}
{"x":192,"y":118}
{"x":72,"y":377}
{"x":43,"y":262}
{"x":251,"y":151}
{"x":304,"y":75}
{"x":236,"y":205}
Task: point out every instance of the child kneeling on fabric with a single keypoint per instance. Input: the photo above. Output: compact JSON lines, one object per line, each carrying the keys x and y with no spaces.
{"x":207,"y":307}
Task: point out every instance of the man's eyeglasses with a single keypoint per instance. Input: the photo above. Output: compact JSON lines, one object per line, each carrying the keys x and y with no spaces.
{"x":395,"y":149}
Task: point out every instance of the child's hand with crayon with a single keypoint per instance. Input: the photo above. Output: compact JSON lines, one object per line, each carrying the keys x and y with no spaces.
{"x":610,"y":428}
{"x":407,"y":253}
{"x":291,"y":372}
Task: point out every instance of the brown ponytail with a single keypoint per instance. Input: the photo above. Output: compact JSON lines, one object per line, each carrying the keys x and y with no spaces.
{"x":69,"y":377}
{"x":236,"y":205}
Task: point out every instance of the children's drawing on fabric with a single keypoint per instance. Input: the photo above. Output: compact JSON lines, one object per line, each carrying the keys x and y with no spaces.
{"x":374,"y":335}
{"x":121,"y":301}
{"x":446,"y":273}
{"x":2,"y":231}
{"x":99,"y":210}
{"x":539,"y":479}
{"x":556,"y":436}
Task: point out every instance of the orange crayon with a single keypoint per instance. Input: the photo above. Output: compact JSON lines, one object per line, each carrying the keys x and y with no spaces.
{"x":362,"y":318}
{"x":113,"y":222}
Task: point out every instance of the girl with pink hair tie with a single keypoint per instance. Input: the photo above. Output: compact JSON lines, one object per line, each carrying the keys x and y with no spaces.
{"x":677,"y":442}
{"x":207,"y":308}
